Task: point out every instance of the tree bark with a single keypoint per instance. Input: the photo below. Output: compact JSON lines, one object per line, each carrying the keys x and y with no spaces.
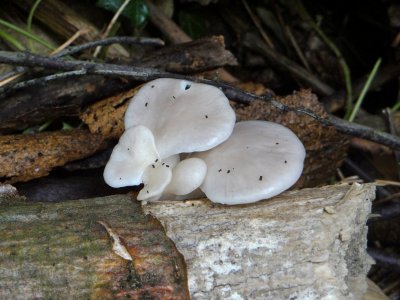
{"x":65,"y":251}
{"x":302,"y":244}
{"x":309,"y":244}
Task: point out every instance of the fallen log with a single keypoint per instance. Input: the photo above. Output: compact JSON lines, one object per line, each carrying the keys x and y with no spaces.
{"x":302,"y":243}
{"x":306,"y":244}
{"x":100,"y":248}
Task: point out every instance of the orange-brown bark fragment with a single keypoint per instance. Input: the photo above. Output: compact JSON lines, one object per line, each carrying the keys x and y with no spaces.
{"x":27,"y":156}
{"x":106,"y":117}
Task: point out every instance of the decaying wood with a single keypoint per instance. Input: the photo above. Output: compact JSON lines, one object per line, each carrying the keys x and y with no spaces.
{"x":27,"y":156}
{"x":33,"y":105}
{"x":65,"y":251}
{"x":200,"y":55}
{"x":307,"y":244}
{"x":80,"y":68}
{"x":176,"y":35}
{"x":106,"y":117}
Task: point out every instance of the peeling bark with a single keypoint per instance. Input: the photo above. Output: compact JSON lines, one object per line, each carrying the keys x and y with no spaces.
{"x":61,"y":251}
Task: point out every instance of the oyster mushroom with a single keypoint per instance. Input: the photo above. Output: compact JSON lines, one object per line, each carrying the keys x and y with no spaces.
{"x":187,"y":176}
{"x":183,"y":116}
{"x":156,"y":177}
{"x":259,"y":160}
{"x":130,"y":157}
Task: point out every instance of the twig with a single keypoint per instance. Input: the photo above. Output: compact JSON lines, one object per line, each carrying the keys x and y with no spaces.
{"x":111,"y":40}
{"x":176,"y":35}
{"x":17,"y":74}
{"x":257,"y":23}
{"x":69,"y":41}
{"x":42,"y":80}
{"x":170,"y":30}
{"x":285,"y":63}
{"x":77,"y":68}
{"x":296,"y":47}
{"x":346,"y":70}
{"x":111,"y":24}
{"x":364,"y":132}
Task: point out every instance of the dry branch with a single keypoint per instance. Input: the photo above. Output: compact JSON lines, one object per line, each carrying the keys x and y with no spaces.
{"x":31,"y":106}
{"x":145,"y":74}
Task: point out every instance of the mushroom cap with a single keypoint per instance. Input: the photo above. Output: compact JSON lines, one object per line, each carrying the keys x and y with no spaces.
{"x":187,"y":176}
{"x":183,"y":116}
{"x":260,"y":160}
{"x":156,"y":178}
{"x":135,"y":150}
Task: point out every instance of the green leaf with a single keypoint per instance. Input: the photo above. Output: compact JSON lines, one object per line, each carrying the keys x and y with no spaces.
{"x":137,"y":10}
{"x":193,"y":24}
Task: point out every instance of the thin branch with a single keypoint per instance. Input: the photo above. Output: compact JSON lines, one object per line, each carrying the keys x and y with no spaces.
{"x":346,"y":70}
{"x":257,"y":23}
{"x":78,"y":68}
{"x":111,"y":40}
{"x":69,"y":41}
{"x":111,"y":24}
{"x":252,"y":42}
{"x":10,"y":76}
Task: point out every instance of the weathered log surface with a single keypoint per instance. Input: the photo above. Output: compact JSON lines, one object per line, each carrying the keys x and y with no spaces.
{"x":27,"y":156}
{"x":306,"y":244}
{"x":63,"y":251}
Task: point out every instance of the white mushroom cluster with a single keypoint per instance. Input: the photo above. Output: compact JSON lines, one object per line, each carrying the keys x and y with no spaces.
{"x":181,"y":141}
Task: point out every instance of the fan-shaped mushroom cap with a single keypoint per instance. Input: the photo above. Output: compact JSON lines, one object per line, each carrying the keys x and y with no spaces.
{"x":187,"y":176}
{"x":183,"y":116}
{"x":133,"y":153}
{"x":258,"y":161}
{"x":156,"y":178}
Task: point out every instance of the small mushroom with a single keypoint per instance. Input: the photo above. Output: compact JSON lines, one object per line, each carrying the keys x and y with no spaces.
{"x":259,"y":160}
{"x":183,"y":116}
{"x":187,"y":176}
{"x":134,"y":152}
{"x":156,"y":178}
